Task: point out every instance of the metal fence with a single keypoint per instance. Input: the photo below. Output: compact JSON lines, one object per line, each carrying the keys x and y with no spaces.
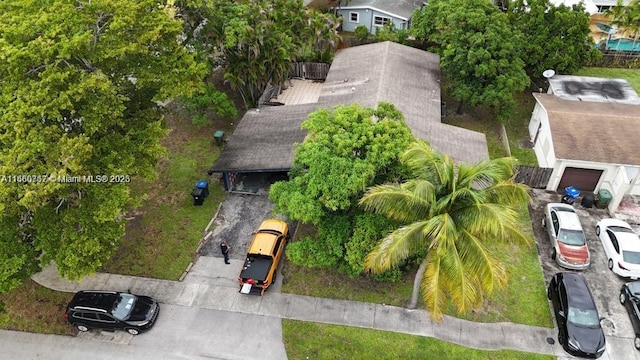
{"x":535,"y":177}
{"x":620,"y":59}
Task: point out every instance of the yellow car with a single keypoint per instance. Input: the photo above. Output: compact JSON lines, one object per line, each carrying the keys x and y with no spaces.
{"x":265,"y":252}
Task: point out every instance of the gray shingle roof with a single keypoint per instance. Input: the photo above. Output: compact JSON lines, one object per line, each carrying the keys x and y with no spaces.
{"x":264,"y":140}
{"x":593,"y":131}
{"x":406,"y":77}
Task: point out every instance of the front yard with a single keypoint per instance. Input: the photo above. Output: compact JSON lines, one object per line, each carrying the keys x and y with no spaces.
{"x":304,"y":340}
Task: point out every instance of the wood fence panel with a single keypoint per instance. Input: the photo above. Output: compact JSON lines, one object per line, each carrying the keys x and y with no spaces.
{"x":308,"y":70}
{"x":534,"y":177}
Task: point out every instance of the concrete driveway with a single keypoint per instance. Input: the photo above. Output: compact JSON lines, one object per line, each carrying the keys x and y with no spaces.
{"x":604,"y":284}
{"x":239,"y":216}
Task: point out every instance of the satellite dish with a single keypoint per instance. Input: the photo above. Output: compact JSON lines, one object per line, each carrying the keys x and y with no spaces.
{"x":548,"y":73}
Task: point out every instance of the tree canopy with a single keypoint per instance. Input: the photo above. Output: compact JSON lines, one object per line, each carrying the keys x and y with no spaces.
{"x":449,"y":216}
{"x":256,"y":40}
{"x":556,"y":37}
{"x":348,"y":149}
{"x":78,"y":120}
{"x":480,"y":53}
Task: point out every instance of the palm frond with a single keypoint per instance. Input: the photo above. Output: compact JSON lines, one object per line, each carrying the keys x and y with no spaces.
{"x":433,"y":290}
{"x":461,"y":284}
{"x":488,"y":270}
{"x":401,"y":203}
{"x":398,"y":246}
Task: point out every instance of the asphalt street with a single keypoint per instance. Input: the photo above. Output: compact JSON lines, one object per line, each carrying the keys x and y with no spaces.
{"x":180,"y":333}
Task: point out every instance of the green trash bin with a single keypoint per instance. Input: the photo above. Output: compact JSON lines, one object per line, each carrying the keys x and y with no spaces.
{"x":604,"y":198}
{"x":218,"y":137}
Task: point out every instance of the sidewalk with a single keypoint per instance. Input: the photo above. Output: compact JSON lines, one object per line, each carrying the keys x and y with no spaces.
{"x":212,"y":286}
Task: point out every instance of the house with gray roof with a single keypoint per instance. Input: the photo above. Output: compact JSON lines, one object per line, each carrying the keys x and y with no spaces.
{"x":376,"y":13}
{"x":406,"y":77}
{"x":587,"y":130}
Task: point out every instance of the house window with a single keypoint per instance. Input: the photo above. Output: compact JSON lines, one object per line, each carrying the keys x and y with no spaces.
{"x":381,"y":20}
{"x":354,"y":17}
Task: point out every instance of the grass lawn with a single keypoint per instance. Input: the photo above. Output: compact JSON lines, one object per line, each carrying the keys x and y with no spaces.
{"x":631,"y":75}
{"x":523,"y":301}
{"x":305,"y":340}
{"x":161,"y":239}
{"x":36,"y":309}
{"x":482,"y":120}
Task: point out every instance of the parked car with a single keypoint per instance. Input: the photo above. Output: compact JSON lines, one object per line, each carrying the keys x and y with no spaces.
{"x":630,"y":298}
{"x":622,"y":246}
{"x":263,"y":257}
{"x":111,"y":310}
{"x":566,"y":235}
{"x":579,"y":330}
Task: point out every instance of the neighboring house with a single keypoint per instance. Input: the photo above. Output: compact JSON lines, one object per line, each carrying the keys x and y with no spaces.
{"x":592,"y":6}
{"x":376,"y":13}
{"x":588,"y":130}
{"x":409,"y":78}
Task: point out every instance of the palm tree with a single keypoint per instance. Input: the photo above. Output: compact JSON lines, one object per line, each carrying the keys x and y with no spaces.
{"x":452,"y":215}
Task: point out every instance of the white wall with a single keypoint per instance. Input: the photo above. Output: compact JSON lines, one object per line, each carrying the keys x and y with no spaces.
{"x":543,"y":145}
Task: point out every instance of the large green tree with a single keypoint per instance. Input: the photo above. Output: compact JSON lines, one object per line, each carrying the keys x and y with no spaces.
{"x":555,"y":37}
{"x":479,"y":51}
{"x":79,"y":118}
{"x":347,"y":149}
{"x":255,"y":40}
{"x":450,"y":215}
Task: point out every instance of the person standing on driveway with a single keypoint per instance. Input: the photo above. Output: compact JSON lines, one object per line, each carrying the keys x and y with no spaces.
{"x":224,"y":248}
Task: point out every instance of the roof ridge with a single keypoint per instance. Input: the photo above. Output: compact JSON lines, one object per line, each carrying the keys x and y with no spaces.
{"x":384,"y":74}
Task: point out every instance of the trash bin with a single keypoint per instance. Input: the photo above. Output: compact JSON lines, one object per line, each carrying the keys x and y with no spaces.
{"x":198,"y":196}
{"x":218,"y":136}
{"x":570,"y":195}
{"x":604,"y":198}
{"x":588,"y":199}
{"x":204,"y":186}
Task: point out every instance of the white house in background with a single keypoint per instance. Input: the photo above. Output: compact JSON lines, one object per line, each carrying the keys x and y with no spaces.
{"x":589,"y":5}
{"x":377,"y":13}
{"x":592,"y":6}
{"x":603,"y":5}
{"x":588,"y":130}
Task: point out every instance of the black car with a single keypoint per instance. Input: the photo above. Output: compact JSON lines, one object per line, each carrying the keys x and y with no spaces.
{"x":111,"y":310}
{"x":630,"y":298}
{"x":579,"y":332}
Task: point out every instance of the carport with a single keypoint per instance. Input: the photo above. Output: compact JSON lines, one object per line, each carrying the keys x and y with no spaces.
{"x":261,"y":149}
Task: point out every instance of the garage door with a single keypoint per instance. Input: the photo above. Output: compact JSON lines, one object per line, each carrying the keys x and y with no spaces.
{"x":583,"y":179}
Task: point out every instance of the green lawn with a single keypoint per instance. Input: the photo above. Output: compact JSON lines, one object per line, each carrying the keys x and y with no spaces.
{"x":161,"y":240}
{"x":34,"y":308}
{"x":523,"y":301}
{"x":305,"y":340}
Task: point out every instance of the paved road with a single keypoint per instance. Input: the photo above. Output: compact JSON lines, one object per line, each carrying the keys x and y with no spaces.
{"x":210,"y":285}
{"x":181,"y":333}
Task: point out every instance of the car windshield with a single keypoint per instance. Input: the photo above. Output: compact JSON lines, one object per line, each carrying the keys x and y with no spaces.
{"x":620,"y":229}
{"x":631,"y":257}
{"x":571,"y":237}
{"x":123,"y":306}
{"x":583,"y":317}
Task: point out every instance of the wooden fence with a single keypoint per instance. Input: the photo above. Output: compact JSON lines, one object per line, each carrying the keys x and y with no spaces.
{"x":535,"y":177}
{"x":309,"y":70}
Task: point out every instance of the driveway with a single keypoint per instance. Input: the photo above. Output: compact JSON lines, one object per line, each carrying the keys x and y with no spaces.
{"x":238,"y":217}
{"x":604,"y":284}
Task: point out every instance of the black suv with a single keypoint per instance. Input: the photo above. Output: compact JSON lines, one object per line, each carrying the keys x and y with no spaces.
{"x":579,"y":330}
{"x":110,"y":310}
